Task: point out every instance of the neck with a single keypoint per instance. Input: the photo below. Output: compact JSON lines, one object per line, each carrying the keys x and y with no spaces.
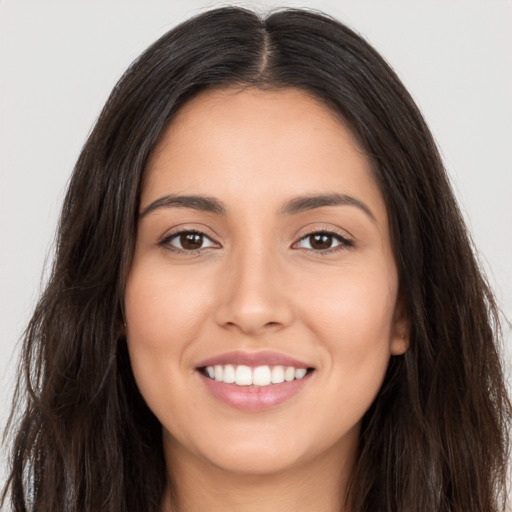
{"x":319,"y":485}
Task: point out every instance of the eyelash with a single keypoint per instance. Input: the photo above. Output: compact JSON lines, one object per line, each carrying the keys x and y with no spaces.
{"x":343,"y":242}
{"x":166,"y":241}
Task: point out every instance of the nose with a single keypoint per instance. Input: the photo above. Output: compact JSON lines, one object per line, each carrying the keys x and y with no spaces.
{"x":254,"y":294}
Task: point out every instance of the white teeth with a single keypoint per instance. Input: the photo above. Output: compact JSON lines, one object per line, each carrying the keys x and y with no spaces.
{"x":261,"y":376}
{"x":277,"y":375}
{"x":243,"y":375}
{"x":300,"y":372}
{"x":289,"y":374}
{"x":229,"y":374}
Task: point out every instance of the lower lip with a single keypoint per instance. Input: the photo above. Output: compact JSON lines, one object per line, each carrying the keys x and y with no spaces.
{"x":254,"y":398}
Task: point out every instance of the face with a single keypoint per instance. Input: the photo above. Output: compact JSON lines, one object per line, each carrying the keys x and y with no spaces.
{"x":261,"y":305}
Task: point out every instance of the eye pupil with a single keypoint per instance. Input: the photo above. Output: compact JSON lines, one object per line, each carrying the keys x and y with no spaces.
{"x":191,"y":241}
{"x":321,"y":241}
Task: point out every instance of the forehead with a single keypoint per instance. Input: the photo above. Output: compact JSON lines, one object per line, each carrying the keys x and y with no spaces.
{"x":252,"y":143}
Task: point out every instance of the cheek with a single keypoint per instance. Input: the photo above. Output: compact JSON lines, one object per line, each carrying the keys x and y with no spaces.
{"x":352,"y":315}
{"x":163,"y":308}
{"x":164,"y":314}
{"x":360,"y":297}
{"x":353,"y":324}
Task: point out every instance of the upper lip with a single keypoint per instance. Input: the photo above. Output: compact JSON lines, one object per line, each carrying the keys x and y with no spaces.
{"x":262,"y":358}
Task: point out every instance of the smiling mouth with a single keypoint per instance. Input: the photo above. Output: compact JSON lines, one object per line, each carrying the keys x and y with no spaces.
{"x":259,"y":376}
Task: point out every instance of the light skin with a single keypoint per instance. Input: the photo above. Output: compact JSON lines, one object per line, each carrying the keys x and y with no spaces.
{"x":267,"y":270}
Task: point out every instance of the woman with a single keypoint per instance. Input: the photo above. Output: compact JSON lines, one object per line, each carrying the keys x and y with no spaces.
{"x":264,"y":296}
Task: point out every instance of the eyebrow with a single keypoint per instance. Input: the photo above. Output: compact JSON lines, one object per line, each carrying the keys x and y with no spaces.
{"x":296,"y":205}
{"x":304,"y":203}
{"x":201,"y":203}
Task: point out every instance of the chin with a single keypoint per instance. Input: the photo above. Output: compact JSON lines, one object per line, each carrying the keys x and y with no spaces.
{"x":255,"y":462}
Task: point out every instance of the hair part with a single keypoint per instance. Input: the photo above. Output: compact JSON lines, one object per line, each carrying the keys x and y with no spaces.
{"x":435,"y":438}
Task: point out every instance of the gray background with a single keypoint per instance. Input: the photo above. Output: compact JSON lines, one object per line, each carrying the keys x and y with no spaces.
{"x":59,"y":61}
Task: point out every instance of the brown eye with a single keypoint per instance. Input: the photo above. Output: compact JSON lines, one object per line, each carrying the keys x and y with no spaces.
{"x":191,"y":241}
{"x":323,"y":241}
{"x":188,"y":241}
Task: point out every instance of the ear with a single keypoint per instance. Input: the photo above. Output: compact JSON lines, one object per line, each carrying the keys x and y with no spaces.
{"x":401,"y":329}
{"x":122,"y":330}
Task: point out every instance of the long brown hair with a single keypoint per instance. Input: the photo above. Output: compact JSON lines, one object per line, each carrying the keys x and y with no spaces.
{"x":435,"y":439}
